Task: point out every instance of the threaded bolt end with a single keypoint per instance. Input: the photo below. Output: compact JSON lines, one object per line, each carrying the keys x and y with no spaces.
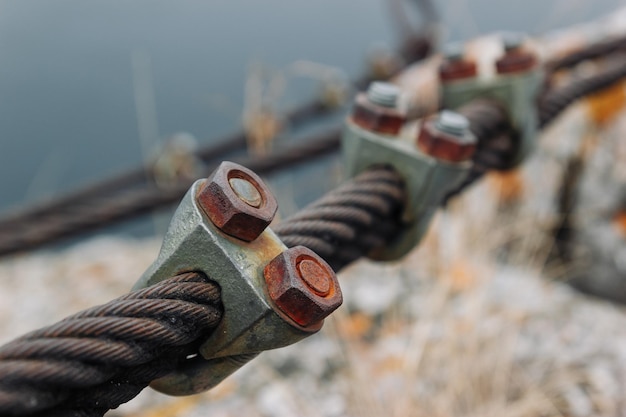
{"x":453,"y":51}
{"x":383,"y":94}
{"x":512,"y":40}
{"x":453,"y":123}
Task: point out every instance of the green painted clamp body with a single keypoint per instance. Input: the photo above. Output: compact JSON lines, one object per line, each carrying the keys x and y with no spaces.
{"x":427,"y":180}
{"x":517,"y":92}
{"x":250,"y":324}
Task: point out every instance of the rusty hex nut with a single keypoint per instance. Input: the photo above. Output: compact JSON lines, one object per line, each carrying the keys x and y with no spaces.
{"x":516,"y":57}
{"x":514,"y":61}
{"x":447,"y":137}
{"x":455,"y":66}
{"x":377,"y":110}
{"x":303,"y":286}
{"x":237,"y":201}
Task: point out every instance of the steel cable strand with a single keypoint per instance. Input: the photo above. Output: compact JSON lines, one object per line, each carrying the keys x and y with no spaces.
{"x":496,"y":142}
{"x":29,"y":226}
{"x":95,"y":360}
{"x":593,"y":51}
{"x":486,"y":119}
{"x":351,"y":221}
{"x":414,"y":48}
{"x":94,"y":214}
{"x":555,"y":101}
{"x":493,"y":153}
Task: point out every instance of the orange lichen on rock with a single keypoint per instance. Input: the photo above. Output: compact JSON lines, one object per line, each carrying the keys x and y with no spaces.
{"x":462,"y":277}
{"x":619,"y":221}
{"x":355,"y":326}
{"x":508,"y":185}
{"x":607,"y":104}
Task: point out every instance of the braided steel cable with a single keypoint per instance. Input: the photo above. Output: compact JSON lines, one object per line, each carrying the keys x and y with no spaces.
{"x":102,"y":357}
{"x":555,"y":101}
{"x":496,"y":145}
{"x":415,"y":47}
{"x":364,"y":214}
{"x":361,"y":215}
{"x":91,"y":215}
{"x":594,"y":51}
{"x":103,"y":203}
{"x":97,"y":359}
{"x":496,"y":141}
{"x":350,"y":222}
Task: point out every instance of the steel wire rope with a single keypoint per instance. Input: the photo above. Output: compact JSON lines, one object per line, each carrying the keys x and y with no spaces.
{"x":99,"y":358}
{"x":95,"y":194}
{"x":107,"y":354}
{"x":594,"y":51}
{"x":344,"y":225}
{"x":79,"y":218}
{"x":495,"y":150}
{"x":556,"y":100}
{"x":415,"y":47}
{"x":323,"y":225}
{"x":496,"y":145}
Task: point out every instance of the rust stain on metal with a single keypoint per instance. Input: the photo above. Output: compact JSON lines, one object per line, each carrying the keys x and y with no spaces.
{"x":452,"y":70}
{"x":619,"y":221}
{"x":314,"y":275}
{"x":303,"y":286}
{"x":509,"y":185}
{"x":604,"y":106}
{"x":246,"y":191}
{"x":237,"y":201}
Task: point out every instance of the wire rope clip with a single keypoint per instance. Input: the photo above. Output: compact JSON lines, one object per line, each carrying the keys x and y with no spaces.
{"x":432,"y":161}
{"x":514,"y":82}
{"x":272,"y":296}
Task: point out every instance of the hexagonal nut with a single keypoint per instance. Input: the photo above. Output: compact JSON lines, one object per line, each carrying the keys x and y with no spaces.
{"x":514,"y":61}
{"x":376,"y":118}
{"x":455,"y":65}
{"x":237,"y":201}
{"x":454,"y":145}
{"x":303,"y":286}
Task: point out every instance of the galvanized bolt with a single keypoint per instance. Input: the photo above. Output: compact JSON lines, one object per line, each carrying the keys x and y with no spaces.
{"x":512,"y":40}
{"x":383,"y":94}
{"x":246,"y":191}
{"x":452,"y":123}
{"x":455,"y":66}
{"x":516,"y":58}
{"x":314,"y":276}
{"x":237,"y":201}
{"x":453,"y":51}
{"x":378,"y":110}
{"x":303,"y":286}
{"x":447,"y":137}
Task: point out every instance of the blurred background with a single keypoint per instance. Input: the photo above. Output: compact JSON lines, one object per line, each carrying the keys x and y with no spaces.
{"x":475,"y":322}
{"x":90,"y":88}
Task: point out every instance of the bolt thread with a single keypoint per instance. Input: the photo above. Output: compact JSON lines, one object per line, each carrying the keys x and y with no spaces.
{"x":452,"y":123}
{"x":383,"y":94}
{"x":453,"y":51}
{"x":512,"y":40}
